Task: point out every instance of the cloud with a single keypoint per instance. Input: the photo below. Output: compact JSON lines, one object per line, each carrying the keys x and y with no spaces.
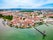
{"x":48,"y":5}
{"x":24,"y":3}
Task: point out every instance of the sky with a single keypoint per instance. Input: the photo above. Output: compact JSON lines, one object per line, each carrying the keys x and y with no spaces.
{"x":27,"y":4}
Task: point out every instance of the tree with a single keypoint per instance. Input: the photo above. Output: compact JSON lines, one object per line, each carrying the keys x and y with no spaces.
{"x":1,"y":15}
{"x":9,"y":17}
{"x":51,"y":17}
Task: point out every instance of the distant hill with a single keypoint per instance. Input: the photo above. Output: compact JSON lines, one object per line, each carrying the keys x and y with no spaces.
{"x":21,"y":9}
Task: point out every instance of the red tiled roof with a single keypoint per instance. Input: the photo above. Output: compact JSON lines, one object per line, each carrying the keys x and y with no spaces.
{"x":36,"y":18}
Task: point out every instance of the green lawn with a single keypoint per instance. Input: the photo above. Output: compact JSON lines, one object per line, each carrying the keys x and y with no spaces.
{"x":27,"y":34}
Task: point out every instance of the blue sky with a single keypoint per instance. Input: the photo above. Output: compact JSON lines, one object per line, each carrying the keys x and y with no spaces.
{"x":27,"y":4}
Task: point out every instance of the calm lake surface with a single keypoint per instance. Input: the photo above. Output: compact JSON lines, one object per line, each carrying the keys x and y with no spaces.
{"x":26,"y":34}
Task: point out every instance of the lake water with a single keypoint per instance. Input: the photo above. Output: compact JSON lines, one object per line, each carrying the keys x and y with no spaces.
{"x":27,"y":34}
